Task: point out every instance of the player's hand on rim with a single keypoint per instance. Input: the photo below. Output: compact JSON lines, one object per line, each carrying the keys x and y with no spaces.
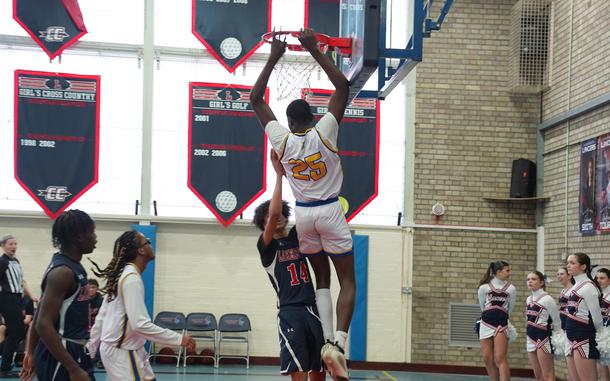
{"x":278,"y":46}
{"x":308,"y":40}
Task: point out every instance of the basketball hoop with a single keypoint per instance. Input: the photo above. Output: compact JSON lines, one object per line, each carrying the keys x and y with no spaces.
{"x":344,"y":44}
{"x":293,"y":76}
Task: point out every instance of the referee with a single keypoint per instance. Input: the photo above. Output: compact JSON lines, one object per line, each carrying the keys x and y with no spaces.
{"x":11,"y":295}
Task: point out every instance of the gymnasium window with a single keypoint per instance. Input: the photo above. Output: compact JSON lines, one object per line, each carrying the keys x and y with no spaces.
{"x":120,"y":168}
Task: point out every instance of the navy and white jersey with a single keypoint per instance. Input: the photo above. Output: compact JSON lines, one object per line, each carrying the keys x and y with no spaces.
{"x":11,"y":275}
{"x":583,"y":304}
{"x":542,"y":312}
{"x":563,"y":306}
{"x":496,"y":299}
{"x":72,"y":325}
{"x":605,"y":305}
{"x":288,"y":270}
{"x":584,"y":318}
{"x":542,"y":316}
{"x":73,"y":320}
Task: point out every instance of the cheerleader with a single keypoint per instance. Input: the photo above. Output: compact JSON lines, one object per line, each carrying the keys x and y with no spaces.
{"x":567,"y":282}
{"x":603,"y":279}
{"x":542,"y":318}
{"x":496,"y":299}
{"x":584,"y":319}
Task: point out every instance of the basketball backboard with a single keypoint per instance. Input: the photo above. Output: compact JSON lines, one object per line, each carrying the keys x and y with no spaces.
{"x":366,"y":22}
{"x":360,"y":20}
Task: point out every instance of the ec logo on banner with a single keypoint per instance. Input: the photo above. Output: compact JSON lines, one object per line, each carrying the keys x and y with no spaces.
{"x":55,"y":193}
{"x":54,"y":34}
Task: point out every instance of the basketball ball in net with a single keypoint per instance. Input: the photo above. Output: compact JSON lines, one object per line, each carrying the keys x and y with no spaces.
{"x":206,"y":360}
{"x":166,"y":360}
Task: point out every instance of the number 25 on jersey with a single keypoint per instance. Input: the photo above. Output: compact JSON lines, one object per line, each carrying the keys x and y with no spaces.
{"x":312,"y":168}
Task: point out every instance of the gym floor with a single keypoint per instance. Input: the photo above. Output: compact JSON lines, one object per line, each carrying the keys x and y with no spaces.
{"x":264,"y":373}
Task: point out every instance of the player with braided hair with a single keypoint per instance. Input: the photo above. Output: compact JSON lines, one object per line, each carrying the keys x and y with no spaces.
{"x":62,"y":319}
{"x":123,"y":325}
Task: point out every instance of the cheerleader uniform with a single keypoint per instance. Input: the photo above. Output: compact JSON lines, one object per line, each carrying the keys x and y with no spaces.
{"x":605,"y":306}
{"x":563,"y":306}
{"x":584,"y":318}
{"x":496,"y":299}
{"x":542,"y":315}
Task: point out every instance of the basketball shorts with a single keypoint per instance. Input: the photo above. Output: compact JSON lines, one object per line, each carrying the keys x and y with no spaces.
{"x":124,"y":364}
{"x":49,"y":369}
{"x":301,"y":339}
{"x":323,"y":228}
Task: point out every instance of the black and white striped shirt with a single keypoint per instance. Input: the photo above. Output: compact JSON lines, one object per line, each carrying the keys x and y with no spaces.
{"x":11,"y":275}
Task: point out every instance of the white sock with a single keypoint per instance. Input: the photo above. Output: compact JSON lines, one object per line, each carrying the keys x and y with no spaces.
{"x":341,"y":338}
{"x":324,"y":303}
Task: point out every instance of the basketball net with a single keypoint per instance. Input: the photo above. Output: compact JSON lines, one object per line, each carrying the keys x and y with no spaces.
{"x":292,"y":77}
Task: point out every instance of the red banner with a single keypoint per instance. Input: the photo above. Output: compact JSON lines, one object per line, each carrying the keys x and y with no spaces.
{"x":226,"y":168}
{"x":56,"y":136}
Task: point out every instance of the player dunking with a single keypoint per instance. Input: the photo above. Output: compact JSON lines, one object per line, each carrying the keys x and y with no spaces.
{"x":123,"y":324}
{"x":309,"y":155}
{"x":300,"y":330}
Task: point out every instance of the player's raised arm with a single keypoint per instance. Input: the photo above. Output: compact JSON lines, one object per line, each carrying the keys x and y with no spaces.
{"x":338,"y":100}
{"x":275,"y":206}
{"x":261,"y":109}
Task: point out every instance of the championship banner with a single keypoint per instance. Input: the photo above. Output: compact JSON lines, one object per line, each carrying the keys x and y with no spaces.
{"x":323,"y":16}
{"x":358,"y":144}
{"x":53,"y":24}
{"x":227,"y":148}
{"x":56,"y":136}
{"x":603,"y":183}
{"x":231,"y":29}
{"x":586,"y":216}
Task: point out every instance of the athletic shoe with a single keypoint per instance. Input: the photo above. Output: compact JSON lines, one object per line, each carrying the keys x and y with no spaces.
{"x":334,"y":358}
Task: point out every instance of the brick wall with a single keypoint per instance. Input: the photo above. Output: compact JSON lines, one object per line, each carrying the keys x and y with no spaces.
{"x":455,"y":262}
{"x":469,"y":129}
{"x":575,"y":79}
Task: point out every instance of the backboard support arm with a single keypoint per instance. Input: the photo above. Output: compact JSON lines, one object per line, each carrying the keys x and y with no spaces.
{"x":423,"y":25}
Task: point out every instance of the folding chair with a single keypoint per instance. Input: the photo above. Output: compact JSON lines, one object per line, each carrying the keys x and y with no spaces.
{"x":234,"y":328}
{"x":170,"y":320}
{"x":202,"y":326}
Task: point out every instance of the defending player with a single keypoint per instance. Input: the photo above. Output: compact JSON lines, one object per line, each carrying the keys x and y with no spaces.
{"x":299,"y":326}
{"x":123,"y":324}
{"x":309,"y":155}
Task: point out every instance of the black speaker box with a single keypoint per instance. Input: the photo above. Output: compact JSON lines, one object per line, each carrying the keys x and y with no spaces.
{"x":523,"y":179}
